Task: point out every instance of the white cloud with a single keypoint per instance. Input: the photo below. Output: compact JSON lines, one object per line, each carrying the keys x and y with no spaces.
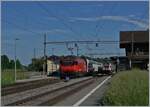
{"x":139,"y":23}
{"x":56,"y":31}
{"x":86,"y":19}
{"x":132,"y":15}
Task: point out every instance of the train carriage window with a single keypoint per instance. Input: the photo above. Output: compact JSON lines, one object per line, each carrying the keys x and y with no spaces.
{"x":75,"y":63}
{"x":66,"y":63}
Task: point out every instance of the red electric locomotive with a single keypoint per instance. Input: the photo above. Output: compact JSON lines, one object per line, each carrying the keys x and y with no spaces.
{"x":72,"y":66}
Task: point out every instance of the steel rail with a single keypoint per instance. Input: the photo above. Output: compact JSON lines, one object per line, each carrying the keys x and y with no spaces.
{"x":34,"y":97}
{"x":27,"y":85}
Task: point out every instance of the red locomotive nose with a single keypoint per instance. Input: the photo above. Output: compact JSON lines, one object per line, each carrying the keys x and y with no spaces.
{"x":69,"y":68}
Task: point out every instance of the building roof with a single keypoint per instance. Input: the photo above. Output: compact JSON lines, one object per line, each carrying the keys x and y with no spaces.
{"x":138,"y":36}
{"x":53,"y":58}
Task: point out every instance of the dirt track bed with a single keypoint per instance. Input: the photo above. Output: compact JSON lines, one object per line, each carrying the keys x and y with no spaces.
{"x":19,"y":87}
{"x":42,"y":94}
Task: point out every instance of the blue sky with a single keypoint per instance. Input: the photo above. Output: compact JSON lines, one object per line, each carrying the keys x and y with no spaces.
{"x":68,"y":20}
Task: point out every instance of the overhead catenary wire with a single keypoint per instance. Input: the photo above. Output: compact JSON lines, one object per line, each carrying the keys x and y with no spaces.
{"x":96,"y":27}
{"x":62,"y":21}
{"x":98,"y":24}
{"x":58,"y":18}
{"x":25,"y":29}
{"x":108,"y":53}
{"x":113,"y":7}
{"x":22,"y":28}
{"x":74,"y":30}
{"x":92,"y":42}
{"x":37,"y":22}
{"x":86,"y":36}
{"x":81,"y":35}
{"x":18,"y":26}
{"x":88,"y":45}
{"x":21,"y":25}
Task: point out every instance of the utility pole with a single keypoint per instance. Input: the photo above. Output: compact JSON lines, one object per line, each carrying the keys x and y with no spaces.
{"x":45,"y":57}
{"x":132,"y":49}
{"x":77,"y":50}
{"x":52,"y":51}
{"x":34,"y":53}
{"x":71,"y":49}
{"x":76,"y":45}
{"x":15,"y":60}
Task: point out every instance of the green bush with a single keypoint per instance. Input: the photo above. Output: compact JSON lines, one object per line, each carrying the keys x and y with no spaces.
{"x":128,"y":88}
{"x":8,"y":76}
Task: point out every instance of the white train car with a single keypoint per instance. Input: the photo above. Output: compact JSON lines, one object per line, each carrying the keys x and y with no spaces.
{"x":94,"y":66}
{"x":52,"y":66}
{"x":108,"y":68}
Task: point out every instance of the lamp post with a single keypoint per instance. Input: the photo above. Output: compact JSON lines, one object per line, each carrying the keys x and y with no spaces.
{"x":15,"y":60}
{"x":45,"y":57}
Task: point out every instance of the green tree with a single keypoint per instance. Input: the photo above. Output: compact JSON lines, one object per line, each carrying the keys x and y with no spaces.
{"x":18,"y":64}
{"x":12,"y":64}
{"x":36,"y":65}
{"x":4,"y":62}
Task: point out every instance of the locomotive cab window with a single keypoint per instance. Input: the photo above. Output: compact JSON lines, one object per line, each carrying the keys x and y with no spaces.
{"x":66,"y":63}
{"x":75,"y":63}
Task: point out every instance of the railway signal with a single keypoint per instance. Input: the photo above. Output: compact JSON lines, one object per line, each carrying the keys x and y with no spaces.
{"x":96,"y":44}
{"x":45,"y":57}
{"x":75,"y":45}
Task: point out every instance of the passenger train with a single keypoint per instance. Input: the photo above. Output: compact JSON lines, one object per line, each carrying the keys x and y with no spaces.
{"x":73,"y":66}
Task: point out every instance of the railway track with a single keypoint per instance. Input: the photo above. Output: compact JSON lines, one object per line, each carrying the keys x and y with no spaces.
{"x":19,"y":87}
{"x":67,"y":91}
{"x":46,"y":95}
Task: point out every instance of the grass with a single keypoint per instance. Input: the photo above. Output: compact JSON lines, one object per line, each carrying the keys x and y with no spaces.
{"x":7,"y":77}
{"x":128,"y":88}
